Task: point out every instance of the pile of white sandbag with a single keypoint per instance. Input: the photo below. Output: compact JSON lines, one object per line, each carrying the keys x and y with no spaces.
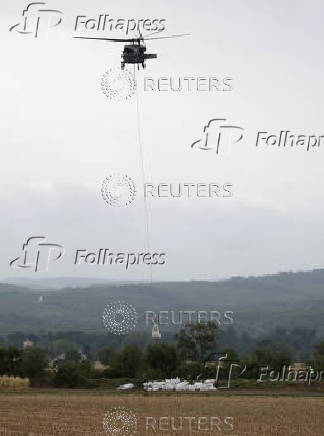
{"x":180,"y":386}
{"x":126,"y":387}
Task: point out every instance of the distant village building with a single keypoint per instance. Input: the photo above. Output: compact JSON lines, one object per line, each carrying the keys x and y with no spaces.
{"x":62,"y":357}
{"x":27,"y":343}
{"x":155,"y":330}
{"x":99,"y":366}
{"x":83,"y":356}
{"x":297,"y":366}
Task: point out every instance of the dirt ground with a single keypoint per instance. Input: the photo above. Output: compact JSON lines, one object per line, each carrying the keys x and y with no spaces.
{"x":69,"y":413}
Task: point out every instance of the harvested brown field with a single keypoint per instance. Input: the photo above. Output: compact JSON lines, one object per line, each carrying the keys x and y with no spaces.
{"x":68,"y":413}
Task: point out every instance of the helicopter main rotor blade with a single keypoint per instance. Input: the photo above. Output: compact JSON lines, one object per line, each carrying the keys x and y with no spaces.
{"x":153,"y":33}
{"x":141,"y":38}
{"x":108,"y":39}
{"x":167,"y":37}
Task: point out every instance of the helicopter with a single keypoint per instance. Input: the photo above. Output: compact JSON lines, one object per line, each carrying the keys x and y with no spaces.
{"x":135,"y":49}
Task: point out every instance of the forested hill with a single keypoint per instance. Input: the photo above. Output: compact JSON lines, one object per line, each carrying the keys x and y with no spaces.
{"x":259,"y":303}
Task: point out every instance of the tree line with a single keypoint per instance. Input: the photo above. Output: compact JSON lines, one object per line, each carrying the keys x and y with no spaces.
{"x":196,"y":347}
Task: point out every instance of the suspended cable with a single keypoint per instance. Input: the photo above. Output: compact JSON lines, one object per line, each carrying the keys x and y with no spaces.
{"x":146,"y":207}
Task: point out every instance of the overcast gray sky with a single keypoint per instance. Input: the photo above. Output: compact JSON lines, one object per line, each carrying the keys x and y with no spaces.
{"x":60,"y":138}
